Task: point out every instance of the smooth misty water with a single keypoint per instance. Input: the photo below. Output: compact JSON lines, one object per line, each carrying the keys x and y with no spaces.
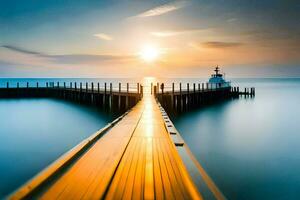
{"x":35,"y":132}
{"x":250,"y":147}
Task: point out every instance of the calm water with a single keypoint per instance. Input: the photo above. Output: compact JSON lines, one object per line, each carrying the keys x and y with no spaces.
{"x":35,"y":132}
{"x":250,"y":147}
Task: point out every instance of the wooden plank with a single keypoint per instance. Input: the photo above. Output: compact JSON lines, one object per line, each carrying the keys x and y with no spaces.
{"x":168,"y":192}
{"x":169,"y":170}
{"x":118,"y":184}
{"x":131,"y":175}
{"x":149,"y":183}
{"x":138,"y":186}
{"x":173,"y":163}
{"x":159,"y":191}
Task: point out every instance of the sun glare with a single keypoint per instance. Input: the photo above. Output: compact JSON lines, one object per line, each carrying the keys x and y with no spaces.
{"x":149,"y":53}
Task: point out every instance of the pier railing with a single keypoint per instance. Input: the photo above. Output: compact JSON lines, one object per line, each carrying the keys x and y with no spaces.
{"x":162,"y":88}
{"x":118,"y":97}
{"x":115,"y":87}
{"x":180,"y":97}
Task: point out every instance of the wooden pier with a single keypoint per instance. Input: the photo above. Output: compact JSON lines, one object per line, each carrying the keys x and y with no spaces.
{"x":135,"y":157}
{"x":195,"y":95}
{"x":108,"y":97}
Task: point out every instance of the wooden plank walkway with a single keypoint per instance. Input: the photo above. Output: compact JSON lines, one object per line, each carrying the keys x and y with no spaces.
{"x":136,"y":159}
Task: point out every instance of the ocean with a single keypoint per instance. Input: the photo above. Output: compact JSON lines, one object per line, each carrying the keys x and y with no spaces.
{"x":35,"y":132}
{"x":250,"y":147}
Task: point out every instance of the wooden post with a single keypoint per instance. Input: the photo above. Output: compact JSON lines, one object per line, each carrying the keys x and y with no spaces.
{"x":27,"y":85}
{"x":75,"y":86}
{"x":180,"y":88}
{"x":194,"y":87}
{"x":104,"y":95}
{"x":162,"y":93}
{"x":86,"y":86}
{"x":202,"y":86}
{"x":172,"y":98}
{"x":127,"y":93}
{"x":194,"y":94}
{"x":37,"y":84}
{"x":138,"y":88}
{"x":92,"y":95}
{"x":119,"y":97}
{"x":57,"y":84}
{"x":187,"y":100}
{"x":7,"y":85}
{"x":151,"y":87}
{"x":80,"y":86}
{"x":71,"y":85}
{"x":64,"y":85}
{"x":111,"y":99}
{"x":98,"y":86}
{"x":17,"y":84}
{"x":46,"y":84}
{"x":198,"y":96}
{"x":157,"y":88}
{"x":180,"y":93}
{"x":141,"y":91}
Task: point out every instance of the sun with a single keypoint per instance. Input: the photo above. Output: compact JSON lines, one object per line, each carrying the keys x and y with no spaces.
{"x":149,"y":53}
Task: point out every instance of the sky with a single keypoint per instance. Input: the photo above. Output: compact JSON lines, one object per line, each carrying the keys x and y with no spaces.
{"x":186,"y":38}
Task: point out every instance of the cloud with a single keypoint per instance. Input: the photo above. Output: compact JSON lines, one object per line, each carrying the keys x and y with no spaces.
{"x":89,"y":58}
{"x":217,"y":44}
{"x":165,"y":33}
{"x":31,"y":57}
{"x":230,"y":20}
{"x":103,"y":36}
{"x":174,"y":33}
{"x":163,"y":9}
{"x":21,"y":50}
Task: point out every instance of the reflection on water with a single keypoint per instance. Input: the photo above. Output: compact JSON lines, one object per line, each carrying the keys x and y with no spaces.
{"x":250,"y":147}
{"x":35,"y":132}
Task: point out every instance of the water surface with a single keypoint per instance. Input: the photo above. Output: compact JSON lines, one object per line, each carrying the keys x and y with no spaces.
{"x":35,"y":132}
{"x":250,"y":147}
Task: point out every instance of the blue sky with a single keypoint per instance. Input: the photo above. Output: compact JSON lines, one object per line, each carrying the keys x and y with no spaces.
{"x":65,"y":38}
